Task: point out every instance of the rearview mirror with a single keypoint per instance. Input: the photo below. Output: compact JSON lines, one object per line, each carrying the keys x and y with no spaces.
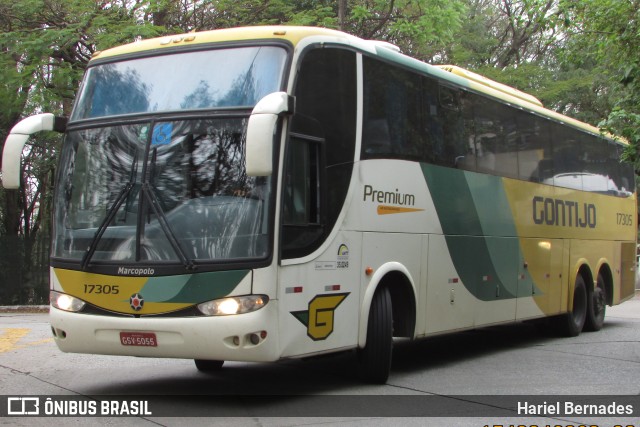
{"x":261,"y":130}
{"x":16,"y":140}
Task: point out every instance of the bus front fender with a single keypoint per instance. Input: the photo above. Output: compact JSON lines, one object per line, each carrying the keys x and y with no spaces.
{"x":378,"y":279}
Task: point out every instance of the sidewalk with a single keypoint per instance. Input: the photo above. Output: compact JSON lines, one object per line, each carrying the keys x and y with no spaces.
{"x":628,"y":309}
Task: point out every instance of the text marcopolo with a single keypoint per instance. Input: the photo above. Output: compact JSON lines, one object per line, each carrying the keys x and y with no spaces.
{"x":136,"y":271}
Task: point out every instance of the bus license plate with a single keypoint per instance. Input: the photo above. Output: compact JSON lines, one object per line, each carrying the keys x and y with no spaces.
{"x":140,"y":339}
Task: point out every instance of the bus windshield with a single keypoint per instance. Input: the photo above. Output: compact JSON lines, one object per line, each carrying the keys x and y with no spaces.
{"x":170,"y":191}
{"x":161,"y":189}
{"x":221,"y":78}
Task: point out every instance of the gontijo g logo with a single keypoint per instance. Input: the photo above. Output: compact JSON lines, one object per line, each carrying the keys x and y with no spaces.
{"x":319,"y":317}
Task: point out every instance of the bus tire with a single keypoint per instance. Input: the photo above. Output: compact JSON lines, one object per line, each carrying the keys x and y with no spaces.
{"x":571,"y":323}
{"x":374,"y":360}
{"x":596,"y":306}
{"x":208,"y":365}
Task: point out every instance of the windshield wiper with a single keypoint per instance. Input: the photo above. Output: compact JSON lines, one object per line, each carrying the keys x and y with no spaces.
{"x":111,"y":213}
{"x":152,"y":199}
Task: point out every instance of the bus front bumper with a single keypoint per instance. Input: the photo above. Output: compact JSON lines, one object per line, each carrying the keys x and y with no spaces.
{"x":244,"y":337}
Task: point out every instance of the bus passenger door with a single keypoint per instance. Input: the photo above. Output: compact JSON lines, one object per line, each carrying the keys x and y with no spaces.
{"x":318,"y":283}
{"x":318,"y":287}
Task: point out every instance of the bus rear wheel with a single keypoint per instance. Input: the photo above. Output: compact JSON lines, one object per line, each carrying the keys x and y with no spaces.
{"x":597,"y":306}
{"x":571,"y":323}
{"x":374,"y":360}
{"x":208,"y":365}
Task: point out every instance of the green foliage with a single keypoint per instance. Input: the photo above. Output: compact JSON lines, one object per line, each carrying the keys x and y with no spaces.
{"x":506,"y":33}
{"x":45,"y":45}
{"x":607,"y":33}
{"x":44,"y":48}
{"x":421,"y":28}
{"x":521,"y":43}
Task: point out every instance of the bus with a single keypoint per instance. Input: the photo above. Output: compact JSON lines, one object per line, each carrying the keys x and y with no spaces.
{"x":263,"y":193}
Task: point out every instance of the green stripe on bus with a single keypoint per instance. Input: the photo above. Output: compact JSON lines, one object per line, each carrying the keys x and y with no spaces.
{"x":192,"y":288}
{"x":470,"y":208}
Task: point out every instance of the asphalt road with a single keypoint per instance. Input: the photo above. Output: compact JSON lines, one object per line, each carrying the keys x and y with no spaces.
{"x":472,"y":377}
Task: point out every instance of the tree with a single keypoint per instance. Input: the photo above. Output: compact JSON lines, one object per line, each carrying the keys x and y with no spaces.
{"x":531,"y":45}
{"x":420,"y":28}
{"x":607,"y":33}
{"x":506,"y":33}
{"x":44,"y":48}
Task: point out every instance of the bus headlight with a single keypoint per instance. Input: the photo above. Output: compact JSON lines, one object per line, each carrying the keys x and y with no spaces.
{"x":66,"y":302}
{"x":233,"y":305}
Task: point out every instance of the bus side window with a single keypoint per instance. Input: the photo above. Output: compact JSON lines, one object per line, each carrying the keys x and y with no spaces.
{"x":455,"y":119}
{"x":432,"y":123}
{"x":302,"y":202}
{"x":627,"y":178}
{"x":534,"y":148}
{"x":495,"y":139}
{"x":376,"y":134}
{"x":614,"y":168}
{"x":392,"y":123}
{"x":299,"y":194}
{"x":567,"y":163}
{"x":597,"y":175}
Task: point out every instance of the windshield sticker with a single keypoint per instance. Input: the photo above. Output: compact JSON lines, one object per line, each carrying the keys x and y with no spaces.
{"x":162,"y":134}
{"x":342,"y":260}
{"x":343,"y":256}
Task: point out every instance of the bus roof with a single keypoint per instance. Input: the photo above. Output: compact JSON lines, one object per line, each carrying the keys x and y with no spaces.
{"x":289,"y":33}
{"x":469,"y":75}
{"x":294,"y":34}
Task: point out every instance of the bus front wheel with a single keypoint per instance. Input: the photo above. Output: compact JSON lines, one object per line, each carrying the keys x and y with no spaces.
{"x":374,"y":360}
{"x":208,"y":365}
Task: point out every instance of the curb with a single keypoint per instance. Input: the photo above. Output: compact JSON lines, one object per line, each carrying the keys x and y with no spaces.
{"x":24,"y":309}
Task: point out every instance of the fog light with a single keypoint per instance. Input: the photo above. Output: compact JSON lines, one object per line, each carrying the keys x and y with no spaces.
{"x":254,"y":338}
{"x":66,"y":302}
{"x":233,"y":305}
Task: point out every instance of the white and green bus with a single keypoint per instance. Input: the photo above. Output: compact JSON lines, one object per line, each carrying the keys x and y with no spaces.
{"x":262,"y":193}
